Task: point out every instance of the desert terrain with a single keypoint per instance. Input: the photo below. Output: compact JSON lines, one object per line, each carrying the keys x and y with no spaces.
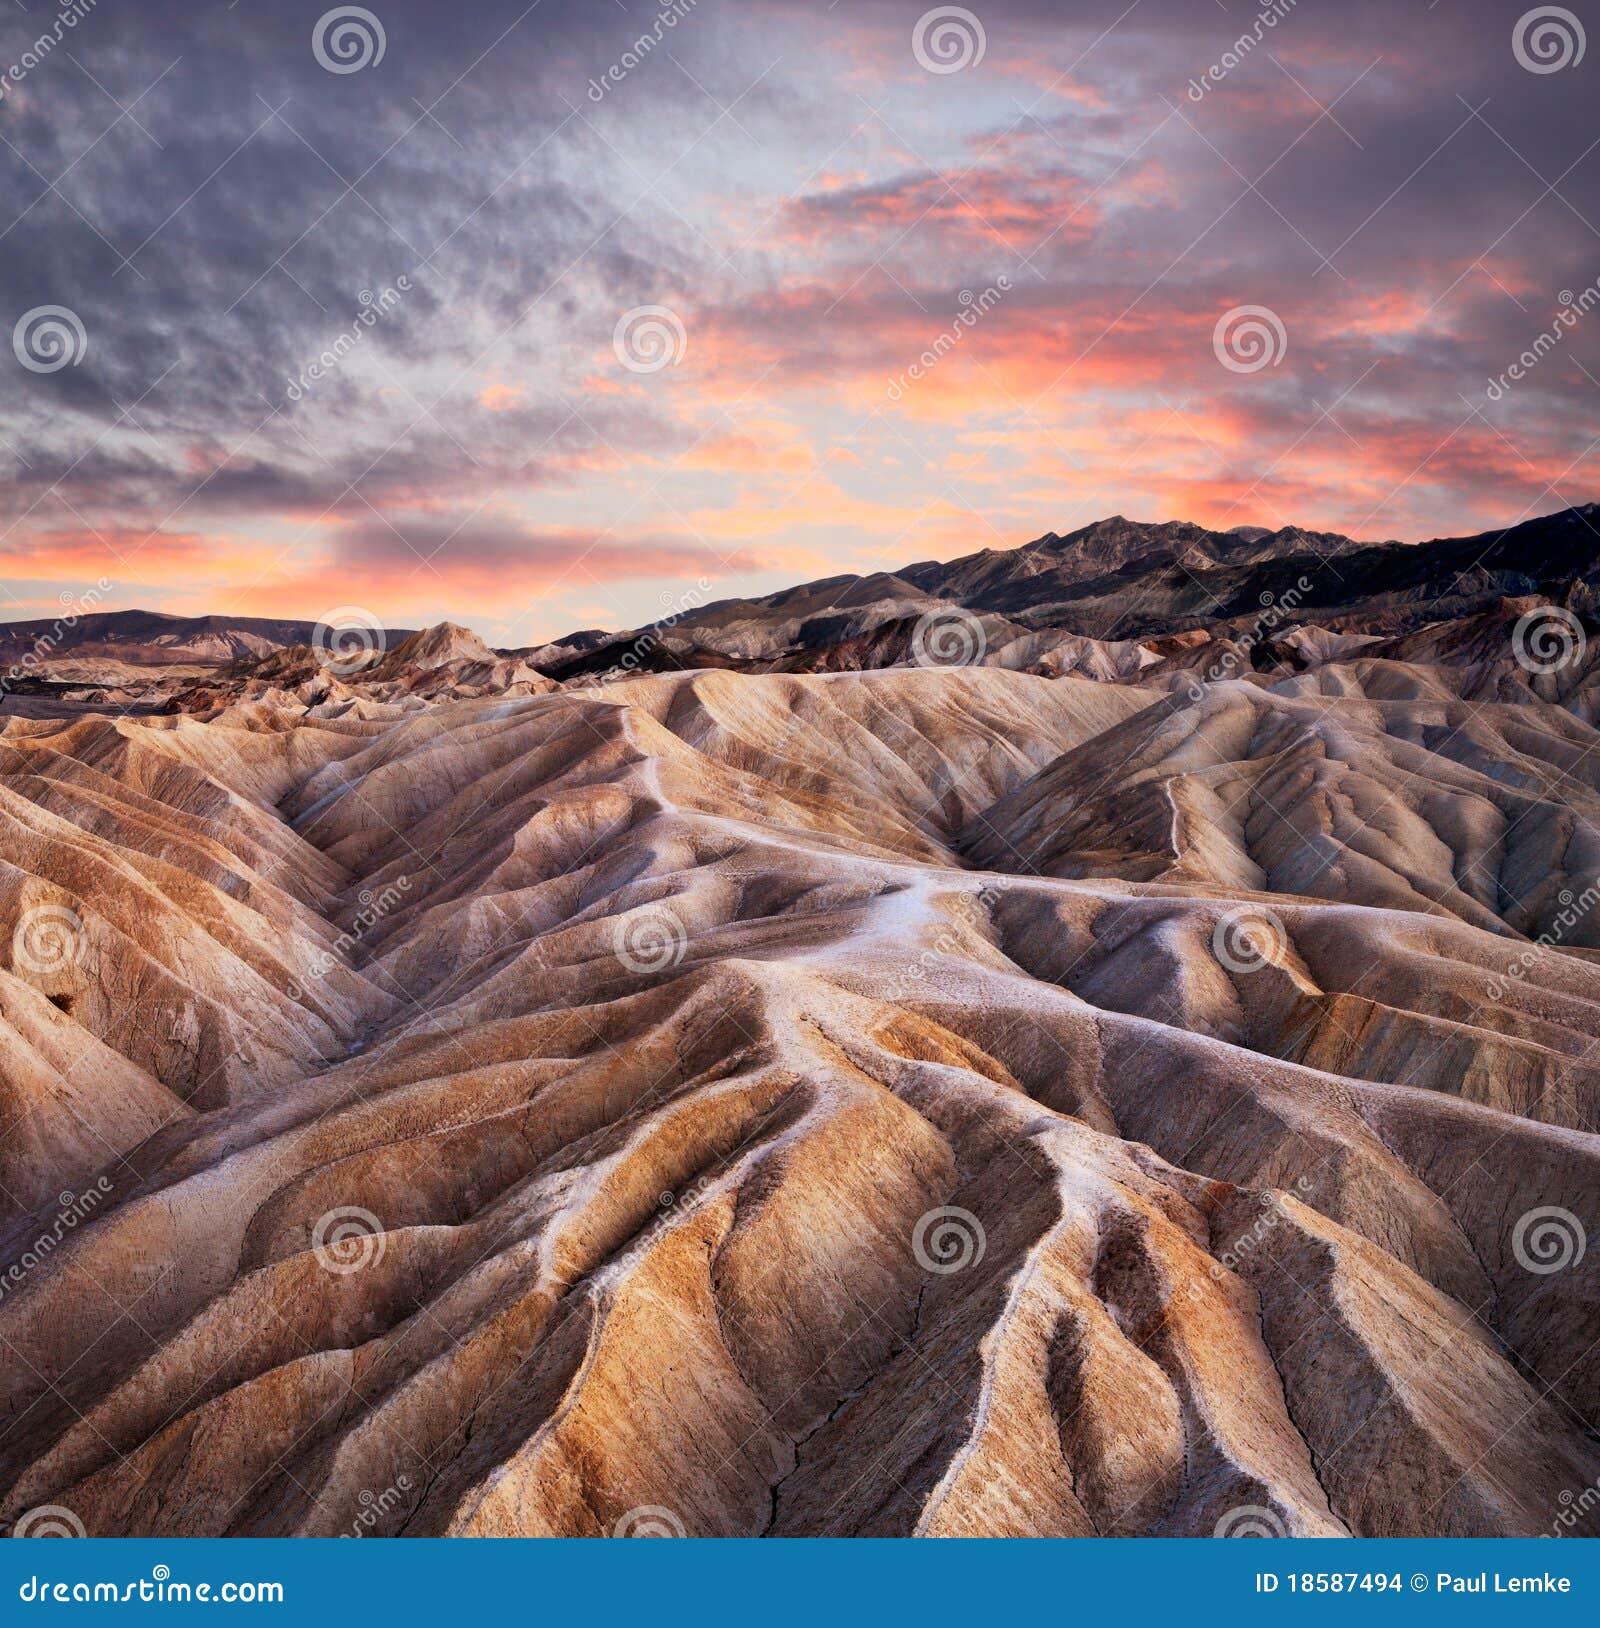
{"x":1090,"y":1039}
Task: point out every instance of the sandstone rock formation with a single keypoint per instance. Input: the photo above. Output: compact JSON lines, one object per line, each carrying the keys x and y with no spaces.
{"x":894,"y":1102}
{"x":1143,"y":1086}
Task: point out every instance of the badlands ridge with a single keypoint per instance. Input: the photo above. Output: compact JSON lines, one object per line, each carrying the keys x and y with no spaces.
{"x":903,"y":1057}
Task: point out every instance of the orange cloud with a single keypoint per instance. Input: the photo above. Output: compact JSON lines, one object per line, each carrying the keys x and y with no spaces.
{"x":765,"y":446}
{"x":1019,"y":207}
{"x":501,"y":398}
{"x":129,"y":556}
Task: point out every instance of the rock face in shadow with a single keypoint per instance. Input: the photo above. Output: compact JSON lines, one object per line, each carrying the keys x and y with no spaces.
{"x":946,"y":1102}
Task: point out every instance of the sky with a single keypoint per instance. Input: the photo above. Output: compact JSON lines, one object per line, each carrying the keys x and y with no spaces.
{"x":573,"y":315}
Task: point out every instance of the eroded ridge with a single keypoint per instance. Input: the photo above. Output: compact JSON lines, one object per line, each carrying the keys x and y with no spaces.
{"x":898,"y":1102}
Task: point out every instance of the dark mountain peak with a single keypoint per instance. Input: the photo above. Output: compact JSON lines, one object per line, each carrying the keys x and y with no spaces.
{"x":1010,"y":580}
{"x":1585,"y":516}
{"x":1121,"y":578}
{"x":1116,"y":538}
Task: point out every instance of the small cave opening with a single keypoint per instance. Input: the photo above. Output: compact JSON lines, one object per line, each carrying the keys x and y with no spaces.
{"x":62,"y":1003}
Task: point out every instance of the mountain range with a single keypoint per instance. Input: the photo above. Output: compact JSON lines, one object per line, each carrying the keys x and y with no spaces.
{"x":1114,"y":580}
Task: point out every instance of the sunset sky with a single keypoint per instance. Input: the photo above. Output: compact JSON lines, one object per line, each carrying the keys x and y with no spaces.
{"x":815,"y":207}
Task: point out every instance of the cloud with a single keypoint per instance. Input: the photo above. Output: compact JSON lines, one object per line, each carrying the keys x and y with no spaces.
{"x":498,"y":555}
{"x":1015,"y":207}
{"x":125,"y":556}
{"x":813,"y":205}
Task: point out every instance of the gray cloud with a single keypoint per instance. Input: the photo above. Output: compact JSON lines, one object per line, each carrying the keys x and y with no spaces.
{"x":220,"y":235}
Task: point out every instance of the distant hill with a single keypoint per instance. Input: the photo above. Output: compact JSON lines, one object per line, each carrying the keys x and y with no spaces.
{"x":151,"y":638}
